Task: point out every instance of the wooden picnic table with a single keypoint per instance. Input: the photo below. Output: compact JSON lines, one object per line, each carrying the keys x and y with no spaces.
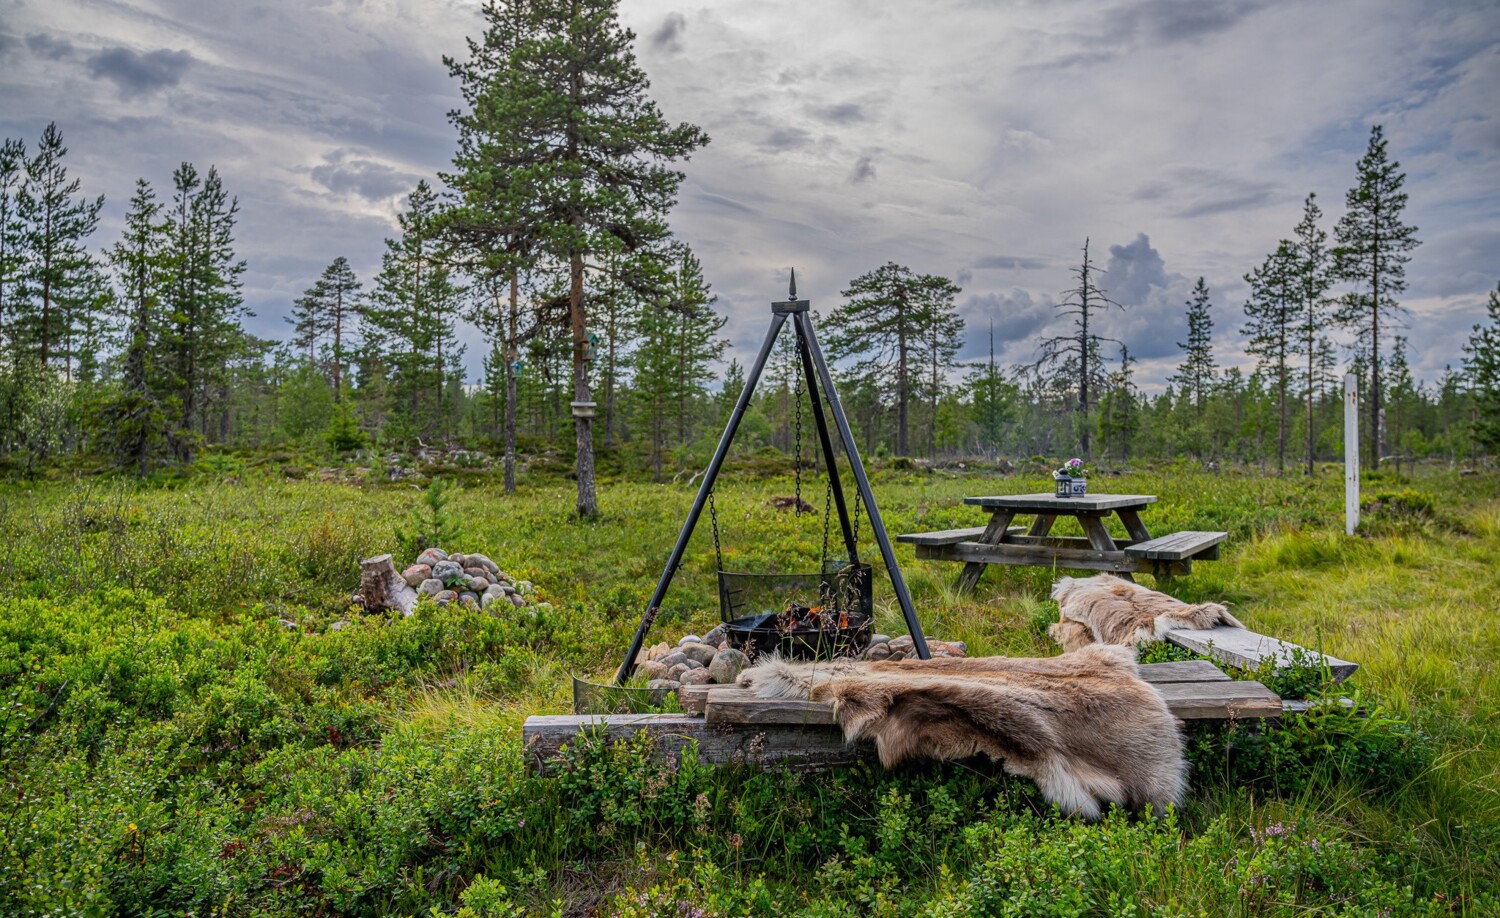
{"x":998,"y":542}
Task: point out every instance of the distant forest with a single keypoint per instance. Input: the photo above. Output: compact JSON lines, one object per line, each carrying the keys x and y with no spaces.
{"x":132,"y":350}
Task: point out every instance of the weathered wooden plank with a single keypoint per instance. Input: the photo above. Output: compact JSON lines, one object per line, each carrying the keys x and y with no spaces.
{"x":730,"y":705}
{"x":994,"y":531}
{"x":1079,"y":542}
{"x":1176,"y":547}
{"x":950,"y":536}
{"x":1247,"y":650}
{"x":762,"y":746}
{"x":1182,"y":671}
{"x":1227,"y":700}
{"x":1047,"y":556}
{"x":1051,"y":503}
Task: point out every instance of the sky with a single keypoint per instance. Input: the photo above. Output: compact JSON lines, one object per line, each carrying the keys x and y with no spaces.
{"x":977,"y":139}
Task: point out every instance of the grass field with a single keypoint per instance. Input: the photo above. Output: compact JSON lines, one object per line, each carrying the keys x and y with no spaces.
{"x":183,"y":732}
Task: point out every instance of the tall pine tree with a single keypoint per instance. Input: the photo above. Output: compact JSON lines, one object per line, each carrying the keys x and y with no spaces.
{"x":1313,"y":277}
{"x":1273,"y":313}
{"x":1482,"y":366}
{"x":1373,"y":247}
{"x":571,"y":152}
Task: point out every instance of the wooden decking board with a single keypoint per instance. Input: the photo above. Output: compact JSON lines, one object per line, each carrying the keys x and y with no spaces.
{"x":950,"y":536}
{"x":763,"y":746}
{"x":1177,"y":546}
{"x":1247,"y":650}
{"x":1220,"y":700}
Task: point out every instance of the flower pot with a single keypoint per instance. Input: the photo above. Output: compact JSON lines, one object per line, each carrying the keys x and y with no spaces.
{"x":1080,"y":486}
{"x":1064,"y":485}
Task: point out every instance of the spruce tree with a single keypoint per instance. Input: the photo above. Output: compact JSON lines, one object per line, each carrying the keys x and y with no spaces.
{"x":1373,"y":247}
{"x":203,"y":300}
{"x":1274,"y":315}
{"x":60,"y":272}
{"x":137,"y":420}
{"x":1198,"y":370}
{"x":994,"y":400}
{"x":329,"y":309}
{"x":1119,"y":413}
{"x":411,"y":316}
{"x":893,"y":324}
{"x":1482,"y":366}
{"x":13,"y":249}
{"x":1073,"y":361}
{"x":697,"y":346}
{"x":570,"y":154}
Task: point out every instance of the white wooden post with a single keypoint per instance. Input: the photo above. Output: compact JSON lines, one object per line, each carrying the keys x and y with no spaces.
{"x":1351,"y":454}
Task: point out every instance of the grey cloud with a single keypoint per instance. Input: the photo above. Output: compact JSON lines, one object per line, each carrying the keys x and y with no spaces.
{"x":786,"y":139}
{"x":864,"y":171}
{"x":726,"y":203}
{"x":48,"y":46}
{"x":668,"y":36}
{"x":371,"y":180}
{"x":1175,"y":21}
{"x":7,"y":42}
{"x":1133,"y":270}
{"x":1010,"y":263}
{"x":843,"y":113}
{"x":139,"y":74}
{"x":1227,"y":205}
{"x":1017,"y":318}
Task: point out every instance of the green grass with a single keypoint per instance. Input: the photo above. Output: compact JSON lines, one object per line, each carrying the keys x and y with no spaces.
{"x":182,"y":730}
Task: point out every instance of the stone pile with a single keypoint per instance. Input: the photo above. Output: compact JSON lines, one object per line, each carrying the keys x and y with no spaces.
{"x":472,"y":579}
{"x":698,"y":660}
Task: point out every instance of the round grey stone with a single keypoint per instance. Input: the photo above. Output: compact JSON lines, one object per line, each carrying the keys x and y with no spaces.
{"x":880,"y":639}
{"x":716,"y":637}
{"x":415,"y":574}
{"x":448,"y":572}
{"x":432,"y":556}
{"x":700,"y":653}
{"x":673,"y":658}
{"x":675,"y":672}
{"x":517,"y":601}
{"x":458,"y":559}
{"x":696,"y":677}
{"x":659,"y":684}
{"x":689,"y":639}
{"x":726,"y":667}
{"x":653,"y":669}
{"x":430,"y":587}
{"x":446,"y":596}
{"x":478,"y":584}
{"x":694,"y":664}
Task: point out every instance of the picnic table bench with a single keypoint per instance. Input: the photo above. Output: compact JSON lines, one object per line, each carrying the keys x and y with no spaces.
{"x":998,"y":542}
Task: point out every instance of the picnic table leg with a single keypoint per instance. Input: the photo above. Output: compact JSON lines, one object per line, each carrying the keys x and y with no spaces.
{"x":1099,"y":537}
{"x":1041,"y":525}
{"x":993,"y":534}
{"x":1133,"y":525}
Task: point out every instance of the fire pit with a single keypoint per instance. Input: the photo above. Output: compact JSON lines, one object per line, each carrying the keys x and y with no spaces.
{"x":805,"y":616}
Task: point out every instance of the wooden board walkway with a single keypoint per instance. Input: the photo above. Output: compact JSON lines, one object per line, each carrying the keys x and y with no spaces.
{"x":734,"y":726}
{"x":1245,"y":649}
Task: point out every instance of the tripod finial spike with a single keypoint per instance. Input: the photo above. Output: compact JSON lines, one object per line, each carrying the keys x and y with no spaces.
{"x":792,"y":288}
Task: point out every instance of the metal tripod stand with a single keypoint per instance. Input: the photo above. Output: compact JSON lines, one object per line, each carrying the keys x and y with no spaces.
{"x":815,"y":368}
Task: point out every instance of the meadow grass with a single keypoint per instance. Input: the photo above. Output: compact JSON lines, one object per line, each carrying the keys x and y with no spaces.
{"x":183,"y":730}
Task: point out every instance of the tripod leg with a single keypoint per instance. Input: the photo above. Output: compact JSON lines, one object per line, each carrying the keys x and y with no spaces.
{"x":850,"y":537}
{"x":709,"y":477}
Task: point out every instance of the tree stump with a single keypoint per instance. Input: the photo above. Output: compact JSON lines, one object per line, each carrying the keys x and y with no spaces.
{"x":382,"y":587}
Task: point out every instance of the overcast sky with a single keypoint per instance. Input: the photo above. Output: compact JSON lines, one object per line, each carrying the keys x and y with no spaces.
{"x":978,"y":139}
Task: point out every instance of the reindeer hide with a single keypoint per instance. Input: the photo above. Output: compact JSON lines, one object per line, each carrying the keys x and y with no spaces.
{"x":1108,"y":610}
{"x":1083,"y":726}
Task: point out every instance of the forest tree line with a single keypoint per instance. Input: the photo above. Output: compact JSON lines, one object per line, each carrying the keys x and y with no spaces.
{"x":598,"y":323}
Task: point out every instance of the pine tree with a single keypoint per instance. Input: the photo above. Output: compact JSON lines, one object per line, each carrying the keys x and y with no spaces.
{"x":1198,"y":370}
{"x":1313,"y":275}
{"x":570,"y":153}
{"x":60,"y":272}
{"x":697,"y":347}
{"x":1119,"y":413}
{"x":1482,"y":366}
{"x":329,"y":309}
{"x":1372,"y":251}
{"x":894,"y":325}
{"x":1073,"y":362}
{"x":1274,"y":315}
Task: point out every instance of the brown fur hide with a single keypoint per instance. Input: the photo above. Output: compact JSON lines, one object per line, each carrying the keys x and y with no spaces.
{"x":1108,"y":610}
{"x":1083,"y":726}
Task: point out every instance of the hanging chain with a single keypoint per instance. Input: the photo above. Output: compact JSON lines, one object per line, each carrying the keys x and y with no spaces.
{"x":797,"y":462}
{"x":827,"y":515}
{"x":856,"y":514}
{"x":713,"y":517}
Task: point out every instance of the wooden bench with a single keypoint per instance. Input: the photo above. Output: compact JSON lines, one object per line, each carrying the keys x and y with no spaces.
{"x":1244,"y":649}
{"x":950,"y":536}
{"x":734,"y":726}
{"x":1179,"y":546}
